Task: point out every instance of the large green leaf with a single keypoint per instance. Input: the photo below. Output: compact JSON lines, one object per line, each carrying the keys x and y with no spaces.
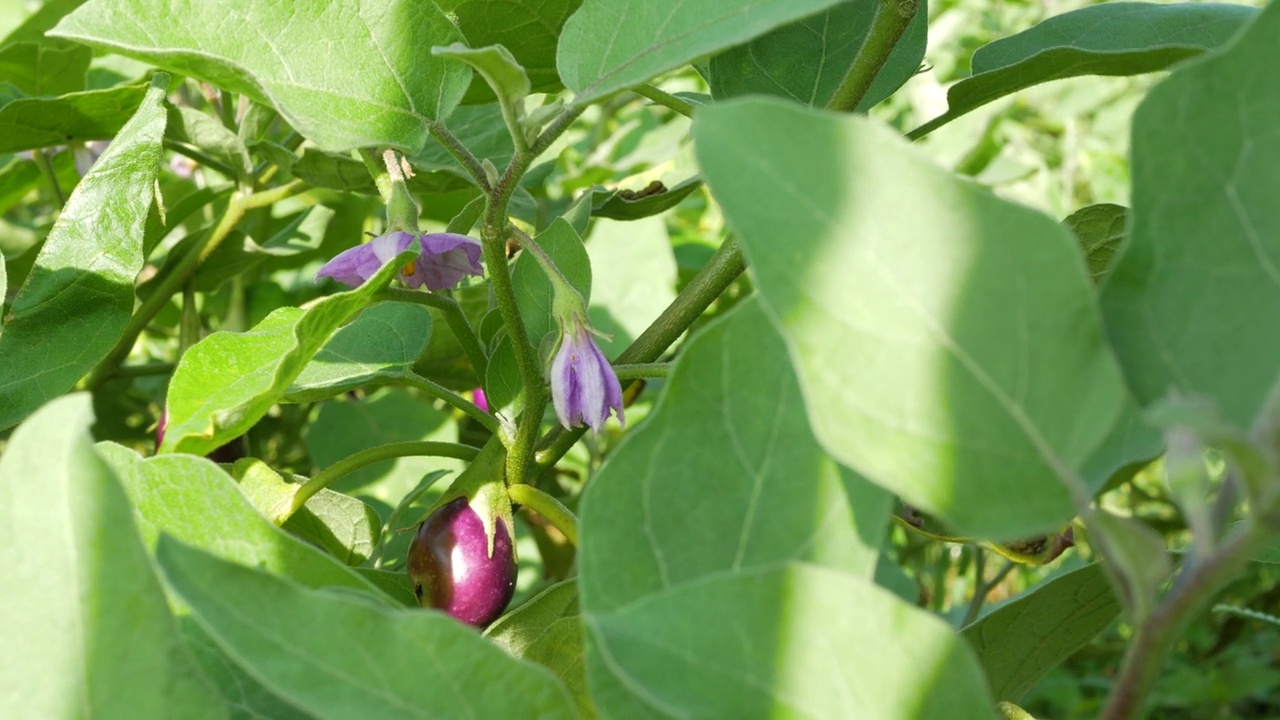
{"x":608,"y":45}
{"x":547,"y":630}
{"x":806,"y":60}
{"x":635,"y":278}
{"x":37,"y":122}
{"x":85,"y":624}
{"x":947,"y":341}
{"x":336,"y":656}
{"x":34,"y":27}
{"x":226,"y":382}
{"x":529,"y":29}
{"x":38,"y":69}
{"x":192,"y":499}
{"x":380,"y":345}
{"x":245,"y":697}
{"x":789,"y":641}
{"x":729,"y":442}
{"x":79,"y":296}
{"x":1026,"y":638}
{"x":345,"y":74}
{"x":1114,"y":38}
{"x":1200,"y":272}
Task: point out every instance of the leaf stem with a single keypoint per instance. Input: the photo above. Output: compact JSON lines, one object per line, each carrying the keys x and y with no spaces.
{"x":635,"y":371}
{"x":891,"y":21}
{"x":983,"y":588}
{"x":390,"y":451}
{"x":453,"y":316}
{"x":461,"y":153}
{"x":1192,"y":593}
{"x":666,"y":99}
{"x":551,"y":509}
{"x":712,"y":280}
{"x":183,"y":271}
{"x":201,"y":158}
{"x":46,"y":169}
{"x":439,"y":391}
{"x":378,"y":171}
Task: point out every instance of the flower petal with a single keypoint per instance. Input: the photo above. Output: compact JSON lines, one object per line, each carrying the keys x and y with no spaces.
{"x":446,"y":258}
{"x":354,"y":266}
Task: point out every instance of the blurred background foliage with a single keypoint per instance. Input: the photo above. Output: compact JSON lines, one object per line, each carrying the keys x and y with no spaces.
{"x":1057,"y":147}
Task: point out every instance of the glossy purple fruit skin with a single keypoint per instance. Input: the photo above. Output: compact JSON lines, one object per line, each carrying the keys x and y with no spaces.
{"x":451,"y":568}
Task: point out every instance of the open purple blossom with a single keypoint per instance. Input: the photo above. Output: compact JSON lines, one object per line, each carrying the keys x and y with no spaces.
{"x":583,"y":385}
{"x":445,"y":259}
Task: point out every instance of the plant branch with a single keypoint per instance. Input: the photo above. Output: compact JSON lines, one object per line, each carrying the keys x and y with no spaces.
{"x":1191,"y":594}
{"x":635,"y":371}
{"x":551,"y":509}
{"x":391,"y":451}
{"x":666,"y":99}
{"x":183,"y":271}
{"x":460,"y":153}
{"x":453,"y":316}
{"x":439,"y":391}
{"x":984,"y":588}
{"x":554,"y":130}
{"x":46,"y":169}
{"x":891,"y":21}
{"x":201,"y":158}
{"x":712,"y":280}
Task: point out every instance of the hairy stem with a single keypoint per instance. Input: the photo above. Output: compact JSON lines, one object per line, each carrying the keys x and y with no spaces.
{"x":439,"y":391}
{"x":378,"y":171}
{"x":666,"y":99}
{"x":548,"y":507}
{"x":460,"y":153}
{"x":891,"y":21}
{"x":635,"y":371}
{"x":712,"y":280}
{"x":391,"y":451}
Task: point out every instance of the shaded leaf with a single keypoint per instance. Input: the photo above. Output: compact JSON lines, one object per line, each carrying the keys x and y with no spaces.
{"x":339,"y":657}
{"x":496,"y":65}
{"x":78,"y":298}
{"x":41,"y":69}
{"x":1114,"y":38}
{"x":345,"y":74}
{"x":1024,"y":639}
{"x":645,"y":39}
{"x":634,"y":278}
{"x":806,"y":60}
{"x":631,"y":205}
{"x":947,"y":341}
{"x":548,"y":631}
{"x":530,"y":29}
{"x":1201,"y":269}
{"x":30,"y":123}
{"x":533,"y":290}
{"x":79,"y":587}
{"x":1099,"y":229}
{"x":380,"y":345}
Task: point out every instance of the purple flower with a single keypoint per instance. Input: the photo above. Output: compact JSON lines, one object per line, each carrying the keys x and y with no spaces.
{"x":444,"y":260}
{"x":583,"y":385}
{"x":478,"y":397}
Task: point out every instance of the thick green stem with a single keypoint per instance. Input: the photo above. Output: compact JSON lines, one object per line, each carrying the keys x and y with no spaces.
{"x":1191,"y":595}
{"x":453,"y":316}
{"x":636,"y":371}
{"x":378,"y":171}
{"x":460,"y":153}
{"x":439,"y":391}
{"x":712,"y":280}
{"x":391,"y":451}
{"x":548,"y":507}
{"x":891,"y":21}
{"x":665,"y":99}
{"x":183,"y":271}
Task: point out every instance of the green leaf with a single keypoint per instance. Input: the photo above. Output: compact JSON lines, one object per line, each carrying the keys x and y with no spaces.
{"x":345,"y":527}
{"x":192,"y":499}
{"x":1136,"y":561}
{"x":40,"y":69}
{"x":238,"y":253}
{"x":789,"y":641}
{"x":806,"y":60}
{"x":340,"y":657}
{"x":481,"y":129}
{"x":630,"y":205}
{"x":1099,"y":229}
{"x":79,"y":588}
{"x":338,"y":172}
{"x":634,"y":278}
{"x":226,"y":382}
{"x":34,"y":27}
{"x":380,"y":345}
{"x":548,"y":631}
{"x":243,"y":695}
{"x":1114,"y":38}
{"x":30,"y":123}
{"x":728,"y":439}
{"x":496,"y":65}
{"x":1131,"y":443}
{"x":1024,"y":639}
{"x":947,"y":341}
{"x":345,"y":74}
{"x":1201,"y":269}
{"x":397,"y":585}
{"x":79,"y":296}
{"x":527,"y":28}
{"x":17,"y":178}
{"x":642,"y":40}
{"x":533,"y":290}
